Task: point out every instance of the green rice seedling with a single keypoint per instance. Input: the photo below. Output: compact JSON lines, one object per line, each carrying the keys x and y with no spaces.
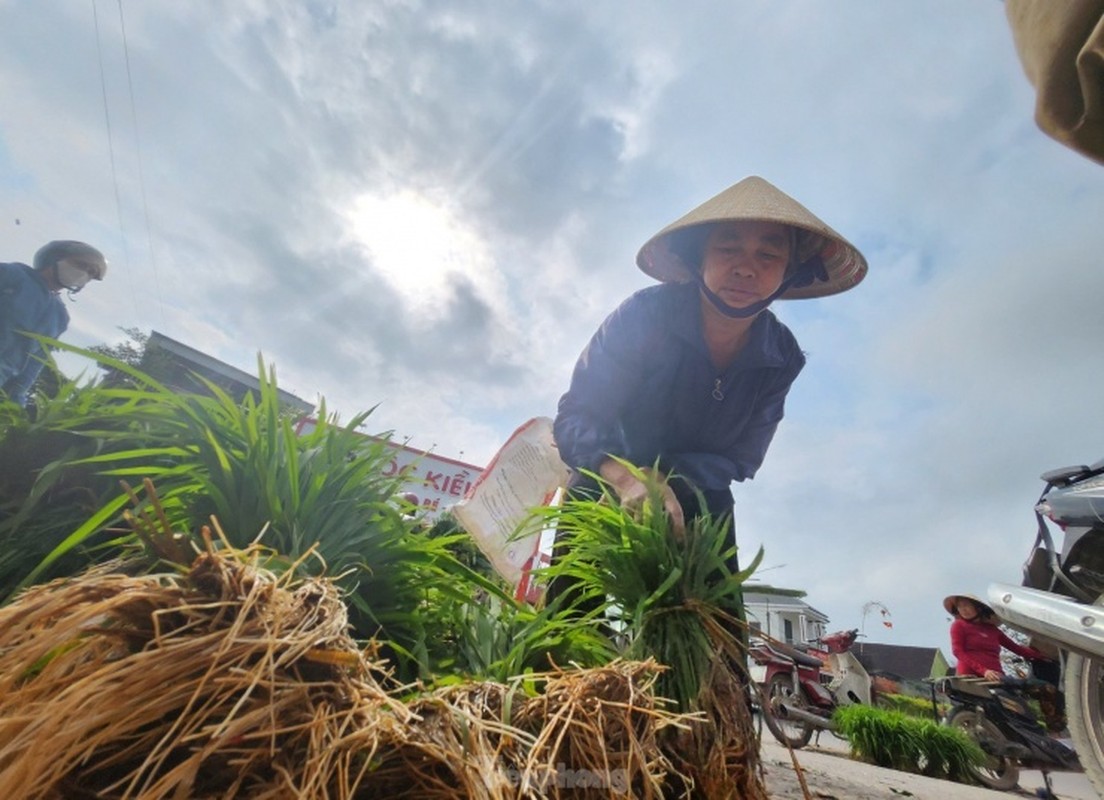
{"x":902,"y":742}
{"x":948,"y":752}
{"x":881,"y":737}
{"x":46,"y":493}
{"x":666,"y":597}
{"x":499,"y":638}
{"x":327,"y":492}
{"x":912,"y":706}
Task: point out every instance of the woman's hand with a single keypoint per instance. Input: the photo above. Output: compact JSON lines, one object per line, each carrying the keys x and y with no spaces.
{"x":632,"y":492}
{"x":993,"y":675}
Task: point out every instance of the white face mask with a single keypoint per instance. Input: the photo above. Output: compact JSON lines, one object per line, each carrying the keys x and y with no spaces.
{"x":71,"y":276}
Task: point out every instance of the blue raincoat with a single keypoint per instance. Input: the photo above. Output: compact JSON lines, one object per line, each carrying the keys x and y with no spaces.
{"x":26,"y":305}
{"x":645,"y":389}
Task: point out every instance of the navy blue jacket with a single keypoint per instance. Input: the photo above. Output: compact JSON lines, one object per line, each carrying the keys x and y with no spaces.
{"x":26,"y":305}
{"x":644,"y":389}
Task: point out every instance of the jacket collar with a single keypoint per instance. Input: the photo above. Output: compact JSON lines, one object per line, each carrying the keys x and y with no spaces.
{"x":765,"y":347}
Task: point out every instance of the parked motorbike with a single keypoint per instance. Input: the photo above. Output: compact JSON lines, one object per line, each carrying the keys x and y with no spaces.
{"x":1061,"y":600}
{"x":997,"y":716}
{"x":796,"y":701}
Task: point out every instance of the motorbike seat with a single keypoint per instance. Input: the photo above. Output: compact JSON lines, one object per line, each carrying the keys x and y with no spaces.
{"x":1019,"y":684}
{"x":1065,"y":475}
{"x":969,"y":684}
{"x":804,"y":659}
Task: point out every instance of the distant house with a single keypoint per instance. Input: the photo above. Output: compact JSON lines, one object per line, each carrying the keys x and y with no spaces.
{"x":177,"y":365}
{"x":901,"y":668}
{"x":789,"y":619}
{"x":894,"y":668}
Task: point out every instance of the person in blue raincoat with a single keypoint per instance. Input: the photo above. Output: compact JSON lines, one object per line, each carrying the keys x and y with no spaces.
{"x":692,"y":374}
{"x":30,"y":304}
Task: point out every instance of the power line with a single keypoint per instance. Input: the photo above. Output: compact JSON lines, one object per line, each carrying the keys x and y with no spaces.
{"x":111,"y":154}
{"x":141,"y":171}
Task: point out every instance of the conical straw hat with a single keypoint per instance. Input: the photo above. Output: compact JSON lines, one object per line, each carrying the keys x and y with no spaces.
{"x":755,"y":199}
{"x":949,"y":604}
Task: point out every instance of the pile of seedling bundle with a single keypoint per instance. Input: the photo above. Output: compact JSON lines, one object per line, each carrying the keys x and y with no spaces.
{"x":227,"y":680}
{"x":321,"y":644}
{"x":221,"y":681}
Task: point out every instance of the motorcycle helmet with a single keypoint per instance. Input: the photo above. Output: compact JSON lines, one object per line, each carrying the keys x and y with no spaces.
{"x":51,"y":253}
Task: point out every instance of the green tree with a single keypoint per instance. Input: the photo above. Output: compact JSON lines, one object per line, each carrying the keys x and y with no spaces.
{"x":134,"y":351}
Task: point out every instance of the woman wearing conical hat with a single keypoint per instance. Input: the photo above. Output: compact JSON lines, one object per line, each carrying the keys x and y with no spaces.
{"x":693,"y":373}
{"x":976,"y":642}
{"x":976,"y":638}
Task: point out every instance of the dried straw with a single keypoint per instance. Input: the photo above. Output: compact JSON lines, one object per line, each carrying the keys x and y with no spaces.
{"x":458,"y":743}
{"x":226,"y":681}
{"x":720,"y":751}
{"x":597,"y":734}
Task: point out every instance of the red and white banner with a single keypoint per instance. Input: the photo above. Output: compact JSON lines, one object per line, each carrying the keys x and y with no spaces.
{"x":436,"y":482}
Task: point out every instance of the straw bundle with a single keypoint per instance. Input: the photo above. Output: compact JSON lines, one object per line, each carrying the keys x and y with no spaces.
{"x":720,"y":751}
{"x":457,"y":743}
{"x":597,"y":734}
{"x":226,"y":681}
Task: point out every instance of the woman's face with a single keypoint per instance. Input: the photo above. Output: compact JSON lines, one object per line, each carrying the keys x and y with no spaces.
{"x":744,"y":262}
{"x":966,"y":608}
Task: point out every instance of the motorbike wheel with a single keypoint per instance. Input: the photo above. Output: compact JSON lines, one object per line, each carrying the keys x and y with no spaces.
{"x":1084,"y":686}
{"x":795,"y":733}
{"x":998,"y":772}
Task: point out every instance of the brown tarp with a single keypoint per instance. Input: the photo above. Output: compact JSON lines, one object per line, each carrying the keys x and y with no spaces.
{"x":1061,"y":46}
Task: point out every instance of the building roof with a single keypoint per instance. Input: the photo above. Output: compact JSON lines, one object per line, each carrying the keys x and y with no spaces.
{"x":783,"y":602}
{"x":900,"y":661}
{"x":198,"y":361}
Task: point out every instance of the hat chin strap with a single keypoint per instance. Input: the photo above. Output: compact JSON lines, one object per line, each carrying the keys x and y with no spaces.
{"x":807,"y":272}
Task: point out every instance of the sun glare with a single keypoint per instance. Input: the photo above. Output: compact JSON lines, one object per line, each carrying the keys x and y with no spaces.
{"x":418,"y":246}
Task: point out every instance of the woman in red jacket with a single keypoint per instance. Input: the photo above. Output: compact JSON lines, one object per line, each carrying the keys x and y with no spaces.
{"x":976,"y":641}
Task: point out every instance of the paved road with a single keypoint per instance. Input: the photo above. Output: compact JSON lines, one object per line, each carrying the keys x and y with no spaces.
{"x":832,"y":776}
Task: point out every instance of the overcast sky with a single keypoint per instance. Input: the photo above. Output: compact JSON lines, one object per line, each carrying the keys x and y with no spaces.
{"x":430,"y":207}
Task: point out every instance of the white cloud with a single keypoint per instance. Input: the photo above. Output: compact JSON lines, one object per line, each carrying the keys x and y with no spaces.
{"x":433,"y":208}
{"x":420,"y":249}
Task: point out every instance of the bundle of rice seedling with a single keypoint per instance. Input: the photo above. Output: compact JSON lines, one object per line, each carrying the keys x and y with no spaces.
{"x":224,"y":681}
{"x":455,"y":743}
{"x":673,"y":595}
{"x":719,"y":753}
{"x":676,"y":597}
{"x":597,"y":734}
{"x":909,"y":744}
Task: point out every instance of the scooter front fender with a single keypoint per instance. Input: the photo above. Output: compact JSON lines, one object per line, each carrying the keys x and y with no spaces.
{"x":1072,"y":625}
